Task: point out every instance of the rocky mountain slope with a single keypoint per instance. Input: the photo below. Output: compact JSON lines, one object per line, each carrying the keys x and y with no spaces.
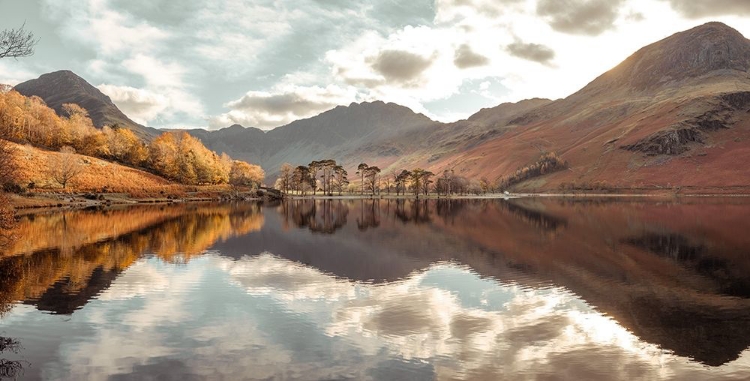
{"x":61,"y":87}
{"x":348,"y":134}
{"x":676,"y":112}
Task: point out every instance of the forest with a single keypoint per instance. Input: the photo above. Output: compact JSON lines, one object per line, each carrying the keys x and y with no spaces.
{"x":176,"y":156}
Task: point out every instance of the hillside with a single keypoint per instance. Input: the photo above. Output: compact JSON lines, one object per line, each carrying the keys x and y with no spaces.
{"x":675,"y":113}
{"x":96,"y":173}
{"x":61,"y":87}
{"x":347,"y":133}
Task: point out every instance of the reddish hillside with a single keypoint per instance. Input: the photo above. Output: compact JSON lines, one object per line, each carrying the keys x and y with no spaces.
{"x":676,"y":113}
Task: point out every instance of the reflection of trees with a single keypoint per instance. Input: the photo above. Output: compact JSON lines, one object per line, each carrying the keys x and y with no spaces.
{"x":416,"y":211}
{"x":320,"y":216}
{"x":63,"y":277}
{"x":448,"y":209}
{"x":369,"y":214}
{"x":10,"y":368}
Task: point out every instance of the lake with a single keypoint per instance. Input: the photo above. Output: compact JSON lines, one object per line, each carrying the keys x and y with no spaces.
{"x":524,"y":289}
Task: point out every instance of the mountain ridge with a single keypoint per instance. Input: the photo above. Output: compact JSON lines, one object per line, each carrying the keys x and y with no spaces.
{"x":654,"y":119}
{"x":75,"y":89}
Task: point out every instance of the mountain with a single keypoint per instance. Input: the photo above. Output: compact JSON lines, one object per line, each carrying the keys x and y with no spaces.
{"x":61,"y":87}
{"x":676,"y":112}
{"x":348,"y":134}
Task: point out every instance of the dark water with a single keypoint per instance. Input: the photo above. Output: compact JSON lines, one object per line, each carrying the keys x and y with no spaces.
{"x":382,"y":290}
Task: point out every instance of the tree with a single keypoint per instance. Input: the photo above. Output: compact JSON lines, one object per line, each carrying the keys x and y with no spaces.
{"x":420,"y":181}
{"x":401,"y":181}
{"x":361,"y":170}
{"x":301,"y":178}
{"x":8,"y":167}
{"x":371,"y":173}
{"x":65,"y":166}
{"x":17,"y":43}
{"x":244,"y":174}
{"x":327,"y":166}
{"x":285,"y":175}
{"x":314,"y":167}
{"x":340,"y":180}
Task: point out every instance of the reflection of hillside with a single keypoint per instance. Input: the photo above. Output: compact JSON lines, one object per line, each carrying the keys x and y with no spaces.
{"x":650,"y":285}
{"x":536,"y":218}
{"x":66,"y":274}
{"x":681,"y":305}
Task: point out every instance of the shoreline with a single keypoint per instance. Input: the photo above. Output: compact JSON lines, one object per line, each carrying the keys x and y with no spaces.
{"x":82,"y":200}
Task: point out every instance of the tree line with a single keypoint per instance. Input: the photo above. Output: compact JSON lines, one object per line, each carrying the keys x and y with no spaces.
{"x":328,"y":177}
{"x":177,"y":156}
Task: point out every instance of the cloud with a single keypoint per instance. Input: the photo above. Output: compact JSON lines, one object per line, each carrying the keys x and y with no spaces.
{"x":532,"y":52}
{"x":466,"y":58}
{"x":167,"y":79}
{"x":585,"y":17}
{"x":400,"y":66}
{"x":456,"y":10}
{"x":138,"y":104}
{"x":264,"y":109}
{"x":698,"y":9}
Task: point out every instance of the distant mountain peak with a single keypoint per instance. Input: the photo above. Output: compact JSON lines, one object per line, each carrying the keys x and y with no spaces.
{"x":710,"y":48}
{"x":64,"y":86}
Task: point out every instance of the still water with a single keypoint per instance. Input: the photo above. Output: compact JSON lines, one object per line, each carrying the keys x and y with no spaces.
{"x":380,"y":290}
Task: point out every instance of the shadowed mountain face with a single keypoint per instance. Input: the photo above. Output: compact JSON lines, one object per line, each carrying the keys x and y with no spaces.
{"x":677,"y":112}
{"x":345,"y":133}
{"x":61,"y":87}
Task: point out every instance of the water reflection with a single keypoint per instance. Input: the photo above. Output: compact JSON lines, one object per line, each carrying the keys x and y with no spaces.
{"x":385,"y":289}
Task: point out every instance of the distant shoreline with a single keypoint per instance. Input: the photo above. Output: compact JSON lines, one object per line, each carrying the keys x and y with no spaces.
{"x":62,"y":201}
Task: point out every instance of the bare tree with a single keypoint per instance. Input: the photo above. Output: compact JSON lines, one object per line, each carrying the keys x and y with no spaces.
{"x":65,"y":166}
{"x":16,"y":43}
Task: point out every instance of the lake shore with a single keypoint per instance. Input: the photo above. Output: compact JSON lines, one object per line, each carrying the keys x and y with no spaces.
{"x":45,"y":201}
{"x":30,"y":203}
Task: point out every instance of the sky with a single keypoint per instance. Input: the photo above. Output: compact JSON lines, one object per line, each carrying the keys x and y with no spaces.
{"x":265,"y":63}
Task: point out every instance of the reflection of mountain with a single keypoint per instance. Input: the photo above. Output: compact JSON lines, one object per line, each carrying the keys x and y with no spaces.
{"x":65,"y":274}
{"x":681,"y":305}
{"x":674,"y":275}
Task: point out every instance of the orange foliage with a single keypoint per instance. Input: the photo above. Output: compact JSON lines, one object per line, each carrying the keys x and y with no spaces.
{"x":72,"y":245}
{"x":178,"y":157}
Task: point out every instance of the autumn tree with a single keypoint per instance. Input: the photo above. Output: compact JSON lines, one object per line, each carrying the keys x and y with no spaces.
{"x":8,"y":166}
{"x":246,"y":175}
{"x":162,"y":155}
{"x":301,"y":179}
{"x":285,"y":177}
{"x":17,"y":43}
{"x":65,"y":166}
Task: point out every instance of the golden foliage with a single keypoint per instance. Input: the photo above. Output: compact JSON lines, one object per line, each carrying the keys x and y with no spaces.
{"x":72,"y":245}
{"x":176,"y":156}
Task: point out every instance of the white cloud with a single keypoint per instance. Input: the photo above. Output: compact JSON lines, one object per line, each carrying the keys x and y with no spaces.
{"x":196,"y":53}
{"x":11,"y":74}
{"x":264,"y":109}
{"x":140,"y":105}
